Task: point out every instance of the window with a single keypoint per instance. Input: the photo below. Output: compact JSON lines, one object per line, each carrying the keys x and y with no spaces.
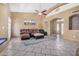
{"x":74,"y":22}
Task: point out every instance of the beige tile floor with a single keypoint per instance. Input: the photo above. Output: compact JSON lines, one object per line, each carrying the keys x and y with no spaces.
{"x":49,"y":46}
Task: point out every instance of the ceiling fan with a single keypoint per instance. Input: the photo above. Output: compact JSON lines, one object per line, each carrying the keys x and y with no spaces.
{"x":41,"y":13}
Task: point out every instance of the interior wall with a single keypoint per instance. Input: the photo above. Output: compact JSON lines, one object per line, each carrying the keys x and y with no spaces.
{"x":53,"y":26}
{"x":3,"y":20}
{"x":68,"y":34}
{"x":18,"y":22}
{"x":4,"y":25}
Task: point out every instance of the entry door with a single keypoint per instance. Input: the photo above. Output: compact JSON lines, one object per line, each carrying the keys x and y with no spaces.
{"x":60,"y":27}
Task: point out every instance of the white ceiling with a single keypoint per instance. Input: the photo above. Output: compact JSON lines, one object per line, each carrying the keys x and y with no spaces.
{"x":29,"y":7}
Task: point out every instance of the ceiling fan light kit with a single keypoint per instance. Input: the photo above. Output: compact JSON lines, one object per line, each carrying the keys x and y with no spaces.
{"x":39,"y":13}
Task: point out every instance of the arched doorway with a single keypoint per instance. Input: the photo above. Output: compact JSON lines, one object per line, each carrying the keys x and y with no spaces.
{"x":57,"y":27}
{"x":60,"y":26}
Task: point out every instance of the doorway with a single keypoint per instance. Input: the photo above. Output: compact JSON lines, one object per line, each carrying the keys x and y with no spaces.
{"x":60,"y":26}
{"x":57,"y":27}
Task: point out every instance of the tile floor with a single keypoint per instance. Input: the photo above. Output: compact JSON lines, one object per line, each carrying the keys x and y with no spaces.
{"x":49,"y":46}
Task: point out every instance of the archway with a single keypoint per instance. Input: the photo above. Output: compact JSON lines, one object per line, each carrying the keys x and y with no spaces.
{"x":57,"y":27}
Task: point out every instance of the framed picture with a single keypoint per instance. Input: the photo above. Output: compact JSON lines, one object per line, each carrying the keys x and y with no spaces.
{"x":30,"y":22}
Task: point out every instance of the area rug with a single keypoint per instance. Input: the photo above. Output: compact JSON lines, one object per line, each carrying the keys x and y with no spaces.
{"x":33,"y":41}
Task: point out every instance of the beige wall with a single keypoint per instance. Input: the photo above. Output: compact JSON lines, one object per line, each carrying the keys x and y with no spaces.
{"x":53,"y":25}
{"x":68,"y":34}
{"x":3,"y":23}
{"x":3,"y":20}
{"x":18,"y":22}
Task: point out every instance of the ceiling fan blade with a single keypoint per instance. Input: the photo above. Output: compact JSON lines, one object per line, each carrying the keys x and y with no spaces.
{"x":44,"y":11}
{"x":41,"y":13}
{"x":37,"y":11}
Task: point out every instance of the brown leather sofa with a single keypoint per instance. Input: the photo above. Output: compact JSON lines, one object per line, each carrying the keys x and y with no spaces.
{"x":24,"y":34}
{"x":28,"y":33}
